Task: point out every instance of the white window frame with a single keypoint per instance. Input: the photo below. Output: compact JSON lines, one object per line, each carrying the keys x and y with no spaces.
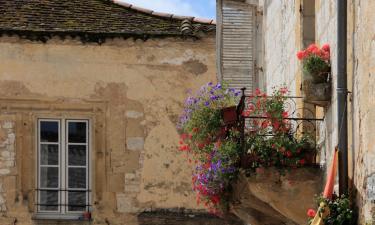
{"x":63,"y":165}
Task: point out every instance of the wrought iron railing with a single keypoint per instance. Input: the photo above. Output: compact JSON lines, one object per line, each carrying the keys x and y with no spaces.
{"x":302,"y":121}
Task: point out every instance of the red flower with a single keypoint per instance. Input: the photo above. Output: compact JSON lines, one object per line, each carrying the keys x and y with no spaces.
{"x":326,"y":48}
{"x":312,"y":48}
{"x":258,"y":92}
{"x":301,"y":55}
{"x":311,"y":213}
{"x":289,"y":154}
{"x":302,"y":162}
{"x":285,"y":114}
{"x":201,"y":145}
{"x":215,"y":199}
{"x":184,"y":136}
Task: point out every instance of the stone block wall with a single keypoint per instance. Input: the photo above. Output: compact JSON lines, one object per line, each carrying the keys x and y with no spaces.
{"x":361,"y":72}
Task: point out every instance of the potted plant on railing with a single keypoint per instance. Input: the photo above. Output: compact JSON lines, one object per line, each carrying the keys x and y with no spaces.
{"x":270,"y":142}
{"x":316,"y":73}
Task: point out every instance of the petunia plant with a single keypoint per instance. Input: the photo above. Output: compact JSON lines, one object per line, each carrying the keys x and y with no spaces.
{"x":210,"y":144}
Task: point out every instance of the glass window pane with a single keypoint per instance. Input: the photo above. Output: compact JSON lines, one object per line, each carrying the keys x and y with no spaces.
{"x":77,"y":177}
{"x":77,"y":132}
{"x":77,"y":155}
{"x":77,"y":201}
{"x":49,"y":177}
{"x":49,"y":131}
{"x":49,"y":154}
{"x":49,"y":200}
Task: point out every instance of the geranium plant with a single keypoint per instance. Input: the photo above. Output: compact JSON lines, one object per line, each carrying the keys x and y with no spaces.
{"x":270,"y":141}
{"x":316,"y":62}
{"x":210,"y":144}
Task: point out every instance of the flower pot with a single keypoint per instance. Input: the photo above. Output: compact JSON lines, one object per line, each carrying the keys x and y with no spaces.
{"x":229,"y":115}
{"x":87,"y":215}
{"x":320,"y":77}
{"x":310,"y":157}
{"x":316,"y":92}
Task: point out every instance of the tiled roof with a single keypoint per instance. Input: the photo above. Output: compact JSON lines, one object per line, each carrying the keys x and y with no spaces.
{"x":91,"y":17}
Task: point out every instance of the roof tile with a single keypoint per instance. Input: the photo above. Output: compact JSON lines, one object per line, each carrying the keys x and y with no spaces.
{"x":90,"y":17}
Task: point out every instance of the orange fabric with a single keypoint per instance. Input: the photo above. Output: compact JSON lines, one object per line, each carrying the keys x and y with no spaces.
{"x":328,"y":190}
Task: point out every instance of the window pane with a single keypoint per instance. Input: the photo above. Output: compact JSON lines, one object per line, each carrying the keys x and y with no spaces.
{"x":49,"y":177}
{"x":49,"y":200}
{"x":77,"y":132}
{"x":77,"y":177}
{"x":77,"y":201}
{"x":77,"y":155}
{"x":49,"y":131}
{"x":49,"y":154}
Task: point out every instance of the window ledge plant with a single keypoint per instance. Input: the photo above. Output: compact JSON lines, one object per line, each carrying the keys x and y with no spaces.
{"x":316,"y":72}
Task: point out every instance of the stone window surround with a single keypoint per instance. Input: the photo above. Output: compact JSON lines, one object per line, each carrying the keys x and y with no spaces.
{"x":25,"y":112}
{"x":63,"y":143}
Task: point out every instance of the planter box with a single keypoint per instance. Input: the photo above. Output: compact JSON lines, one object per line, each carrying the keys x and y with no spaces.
{"x":229,"y":115}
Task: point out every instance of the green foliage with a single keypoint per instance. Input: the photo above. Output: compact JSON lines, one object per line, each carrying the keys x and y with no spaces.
{"x":315,"y":65}
{"x":341,"y":212}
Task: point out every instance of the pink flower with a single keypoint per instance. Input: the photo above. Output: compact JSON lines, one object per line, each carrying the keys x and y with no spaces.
{"x":311,"y":213}
{"x":326,"y":48}
{"x":284,"y":90}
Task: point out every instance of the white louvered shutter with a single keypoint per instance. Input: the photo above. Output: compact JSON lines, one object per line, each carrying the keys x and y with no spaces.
{"x":236,"y":40}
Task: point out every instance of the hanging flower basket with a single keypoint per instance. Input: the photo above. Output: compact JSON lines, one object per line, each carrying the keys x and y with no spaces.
{"x":229,"y":115}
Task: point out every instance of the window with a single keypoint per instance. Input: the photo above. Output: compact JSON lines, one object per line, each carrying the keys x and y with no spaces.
{"x":63,"y":166}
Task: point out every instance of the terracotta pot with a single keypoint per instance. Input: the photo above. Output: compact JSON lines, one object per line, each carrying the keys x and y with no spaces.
{"x":229,"y":115}
{"x":310,"y":158}
{"x":87,"y":215}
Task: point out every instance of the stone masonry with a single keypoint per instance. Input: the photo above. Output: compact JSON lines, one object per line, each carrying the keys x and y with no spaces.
{"x":7,"y":158}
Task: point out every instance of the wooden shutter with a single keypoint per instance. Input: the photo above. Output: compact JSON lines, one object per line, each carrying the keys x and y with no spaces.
{"x":236,"y":43}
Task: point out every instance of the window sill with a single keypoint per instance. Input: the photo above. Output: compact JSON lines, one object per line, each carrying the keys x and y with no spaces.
{"x":46,"y":216}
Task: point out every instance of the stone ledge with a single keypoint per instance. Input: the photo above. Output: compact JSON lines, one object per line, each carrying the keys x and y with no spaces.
{"x":272,"y":198}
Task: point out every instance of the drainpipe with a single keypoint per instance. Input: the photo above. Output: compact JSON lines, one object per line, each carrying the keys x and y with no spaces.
{"x":342,"y":93}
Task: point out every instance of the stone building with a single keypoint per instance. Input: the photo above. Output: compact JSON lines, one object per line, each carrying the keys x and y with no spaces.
{"x":90,"y":92}
{"x":279,"y":29}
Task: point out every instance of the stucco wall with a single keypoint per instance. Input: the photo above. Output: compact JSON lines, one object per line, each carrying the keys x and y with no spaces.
{"x":132,"y":92}
{"x":362,"y":79}
{"x":282,"y":37}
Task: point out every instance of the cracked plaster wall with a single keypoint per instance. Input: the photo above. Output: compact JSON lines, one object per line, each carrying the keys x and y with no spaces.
{"x":133,"y":92}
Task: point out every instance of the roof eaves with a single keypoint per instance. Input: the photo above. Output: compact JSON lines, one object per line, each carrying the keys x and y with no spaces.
{"x":165,"y":15}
